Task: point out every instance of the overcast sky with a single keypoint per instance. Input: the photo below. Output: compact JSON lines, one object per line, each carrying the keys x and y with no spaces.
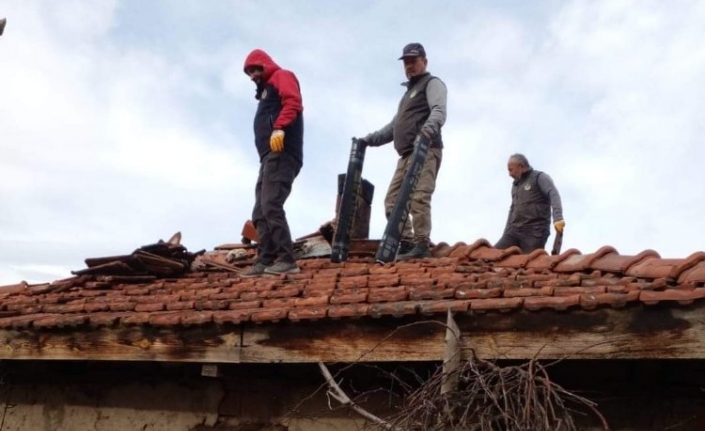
{"x":122,"y":122}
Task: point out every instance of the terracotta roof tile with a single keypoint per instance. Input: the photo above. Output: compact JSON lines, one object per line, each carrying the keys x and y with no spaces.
{"x":578,"y":290}
{"x":136,"y":318}
{"x":470,"y":292}
{"x":682,"y":296}
{"x":95,"y":307}
{"x":349,"y":296}
{"x":360,"y":269}
{"x":387,"y":294}
{"x":14,"y":288}
{"x":554,"y":302}
{"x":434,"y":307}
{"x":493,"y":254}
{"x":458,"y":250}
{"x":396,"y":308}
{"x":654,"y":267}
{"x":174,"y":306}
{"x":59,"y":321}
{"x":122,"y":306}
{"x":197,"y":318}
{"x":311,"y":301}
{"x":244,"y":305}
{"x":528,"y":291}
{"x":104,"y":319}
{"x":500,"y":304}
{"x":383,"y":280}
{"x":347,"y":310}
{"x":441,"y":250}
{"x":696,"y":274}
{"x":616,"y":263}
{"x":352,"y":282}
{"x":546,"y":262}
{"x":147,"y":289}
{"x":233,"y":316}
{"x":431,"y":292}
{"x":577,"y":262}
{"x":307,"y":313}
{"x":616,"y":300}
{"x":519,"y":260}
{"x":269,"y":314}
{"x":170,"y":318}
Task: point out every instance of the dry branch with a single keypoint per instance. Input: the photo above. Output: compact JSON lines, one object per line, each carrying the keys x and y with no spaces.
{"x":491,"y":398}
{"x":339,"y":395}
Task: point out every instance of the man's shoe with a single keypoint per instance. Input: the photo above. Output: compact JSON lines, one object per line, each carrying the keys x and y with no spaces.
{"x":418,"y":252}
{"x":405,"y":247}
{"x":280,"y":268}
{"x":256,"y":270}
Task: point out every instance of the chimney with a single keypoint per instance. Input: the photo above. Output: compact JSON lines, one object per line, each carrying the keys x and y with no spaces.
{"x":361,"y":221}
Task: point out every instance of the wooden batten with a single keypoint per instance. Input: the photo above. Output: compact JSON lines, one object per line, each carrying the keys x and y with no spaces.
{"x":635,"y":333}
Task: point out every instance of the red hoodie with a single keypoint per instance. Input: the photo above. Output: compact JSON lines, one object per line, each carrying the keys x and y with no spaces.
{"x":284,"y":81}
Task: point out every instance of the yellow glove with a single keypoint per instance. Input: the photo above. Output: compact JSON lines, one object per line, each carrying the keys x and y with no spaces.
{"x":559,"y":225}
{"x":276,"y":141}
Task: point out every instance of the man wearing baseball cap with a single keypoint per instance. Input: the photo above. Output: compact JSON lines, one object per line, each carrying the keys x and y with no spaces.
{"x":422,"y":110}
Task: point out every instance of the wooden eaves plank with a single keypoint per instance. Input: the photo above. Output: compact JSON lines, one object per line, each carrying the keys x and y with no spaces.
{"x":635,"y":333}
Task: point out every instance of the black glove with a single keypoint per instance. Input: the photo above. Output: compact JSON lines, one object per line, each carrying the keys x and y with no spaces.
{"x":421,"y":138}
{"x":362,"y":141}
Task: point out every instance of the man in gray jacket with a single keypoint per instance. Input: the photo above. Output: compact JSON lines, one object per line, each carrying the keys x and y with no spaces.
{"x":422,"y":110}
{"x":534,"y":197}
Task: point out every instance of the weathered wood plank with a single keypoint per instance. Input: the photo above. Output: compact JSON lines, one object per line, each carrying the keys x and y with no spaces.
{"x":638,"y":332}
{"x":635,"y":333}
{"x":363,"y":340}
{"x":130,"y":343}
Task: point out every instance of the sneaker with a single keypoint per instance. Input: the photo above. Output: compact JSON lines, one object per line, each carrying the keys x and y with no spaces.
{"x":418,"y":252}
{"x":256,"y":270}
{"x":282,"y":268}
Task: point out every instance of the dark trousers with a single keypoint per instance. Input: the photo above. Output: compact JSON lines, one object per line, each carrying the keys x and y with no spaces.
{"x":526,"y":240}
{"x":277,"y":172}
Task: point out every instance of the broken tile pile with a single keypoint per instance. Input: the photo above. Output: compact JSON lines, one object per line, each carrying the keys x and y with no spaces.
{"x":155,"y":260}
{"x":156,"y":286}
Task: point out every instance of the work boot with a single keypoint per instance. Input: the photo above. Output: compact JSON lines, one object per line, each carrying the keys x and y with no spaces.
{"x":420,"y":251}
{"x":280,"y":268}
{"x":405,"y":246}
{"x":256,"y":270}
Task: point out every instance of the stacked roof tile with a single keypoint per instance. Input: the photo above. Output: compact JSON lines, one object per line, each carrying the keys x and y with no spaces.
{"x":164,"y":285}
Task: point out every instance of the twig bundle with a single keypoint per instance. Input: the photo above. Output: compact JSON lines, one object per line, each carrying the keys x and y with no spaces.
{"x":489,"y":397}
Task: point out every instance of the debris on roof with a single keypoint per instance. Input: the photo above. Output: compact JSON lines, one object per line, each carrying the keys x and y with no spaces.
{"x":160,"y":259}
{"x":164,"y":284}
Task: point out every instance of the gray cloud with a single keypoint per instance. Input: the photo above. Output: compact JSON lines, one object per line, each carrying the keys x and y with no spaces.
{"x":123,"y":122}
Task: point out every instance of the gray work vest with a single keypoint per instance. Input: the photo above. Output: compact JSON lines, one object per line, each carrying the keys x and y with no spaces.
{"x":531,"y":207}
{"x":412,"y":114}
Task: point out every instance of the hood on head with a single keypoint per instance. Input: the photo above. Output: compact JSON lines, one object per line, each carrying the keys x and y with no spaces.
{"x":260,"y":58}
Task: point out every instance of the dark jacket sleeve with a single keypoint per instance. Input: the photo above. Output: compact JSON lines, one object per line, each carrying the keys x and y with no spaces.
{"x":288,"y":87}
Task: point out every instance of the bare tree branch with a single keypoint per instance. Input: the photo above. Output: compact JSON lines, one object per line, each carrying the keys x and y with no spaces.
{"x":339,"y":395}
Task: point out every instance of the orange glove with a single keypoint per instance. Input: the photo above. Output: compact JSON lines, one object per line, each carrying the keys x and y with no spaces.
{"x":276,"y":141}
{"x":559,"y":225}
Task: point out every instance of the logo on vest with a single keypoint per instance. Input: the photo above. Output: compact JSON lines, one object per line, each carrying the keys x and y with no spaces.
{"x":264,"y":93}
{"x":527,"y":187}
{"x":413,"y":93}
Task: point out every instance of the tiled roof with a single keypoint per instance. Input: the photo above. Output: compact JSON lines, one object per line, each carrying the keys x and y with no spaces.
{"x":164,"y":285}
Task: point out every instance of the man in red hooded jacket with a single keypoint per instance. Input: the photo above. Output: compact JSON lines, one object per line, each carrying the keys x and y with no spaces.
{"x":279,"y":134}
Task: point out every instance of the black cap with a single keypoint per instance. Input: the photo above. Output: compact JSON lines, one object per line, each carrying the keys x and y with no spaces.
{"x":413,"y":50}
